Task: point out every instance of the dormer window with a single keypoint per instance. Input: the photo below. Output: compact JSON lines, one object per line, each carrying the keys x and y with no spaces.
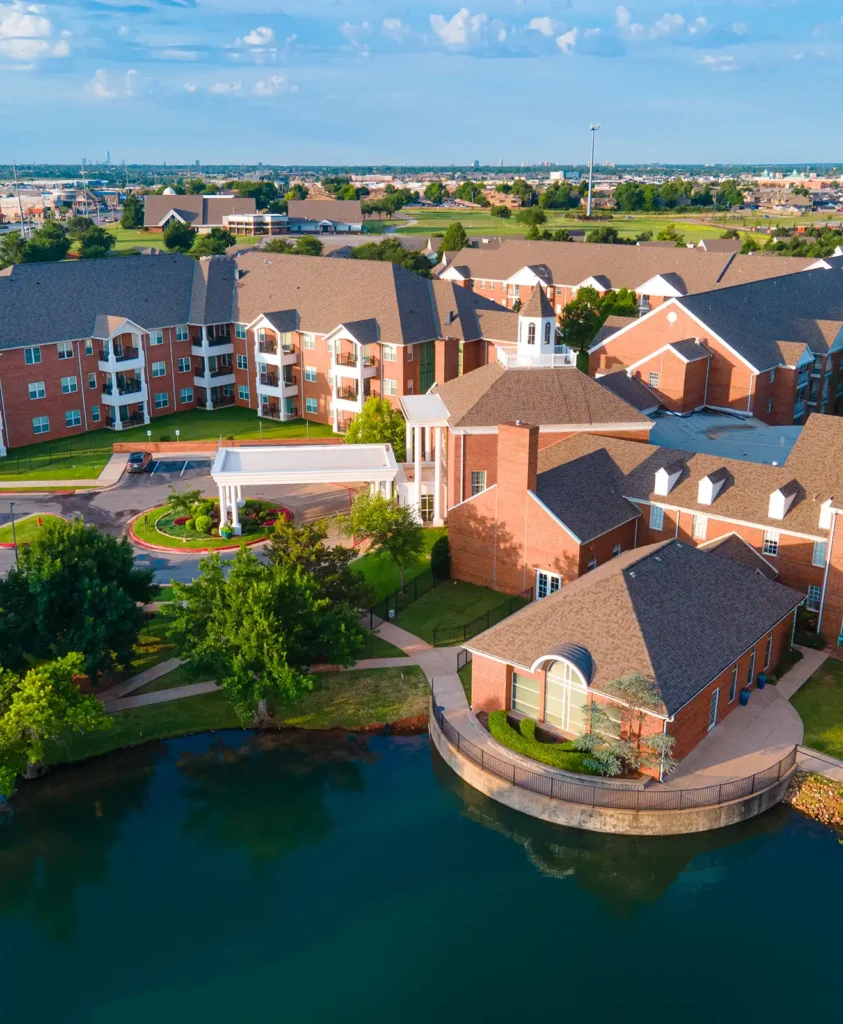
{"x":782,"y":499}
{"x":531,"y":334}
{"x":666,"y":477}
{"x":710,"y":486}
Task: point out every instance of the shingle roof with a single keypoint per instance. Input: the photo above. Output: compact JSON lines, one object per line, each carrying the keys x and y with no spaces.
{"x":667,"y":611}
{"x":342,"y":211}
{"x":735,"y":549}
{"x":491,"y":395}
{"x":537,"y":305}
{"x":721,"y":244}
{"x":465,"y":315}
{"x":631,"y":390}
{"x":198,"y":211}
{"x":690,"y":350}
{"x":611,"y":325}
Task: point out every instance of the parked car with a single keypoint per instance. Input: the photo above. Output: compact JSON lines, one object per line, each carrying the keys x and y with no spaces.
{"x":139,"y":462}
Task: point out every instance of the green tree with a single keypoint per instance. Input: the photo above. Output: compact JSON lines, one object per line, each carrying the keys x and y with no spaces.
{"x":12,"y":249}
{"x":297,"y":191}
{"x":95,"y":243}
{"x":305,"y":547}
{"x":525,"y":192}
{"x":729,"y":193}
{"x":214,"y":243}
{"x":561,"y":235}
{"x":42,"y":705}
{"x":730,"y":233}
{"x":179,"y":237}
{"x":531,"y":215}
{"x":623,"y":302}
{"x":77,"y":226}
{"x":391,"y":250}
{"x":196,"y":186}
{"x":605,"y":234}
{"x":669,"y":234}
{"x":74,"y":589}
{"x":378,"y":422}
{"x":280,"y":245}
{"x":454,"y":239}
{"x":388,"y":526}
{"x":749,"y":245}
{"x":435,"y":192}
{"x":630,"y":749}
{"x":533,"y":233}
{"x":307,"y":245}
{"x":501,"y":211}
{"x":48,"y":245}
{"x":259,"y":630}
{"x":132,"y":214}
{"x":263,"y":192}
{"x":184,"y":503}
{"x":581,"y":319}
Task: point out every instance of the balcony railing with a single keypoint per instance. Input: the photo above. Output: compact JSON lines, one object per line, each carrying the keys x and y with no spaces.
{"x":219,"y":339}
{"x":270,"y":379}
{"x":120,"y":357}
{"x":268,"y":347}
{"x":346,"y":359}
{"x":135,"y":420}
{"x":221,"y":371}
{"x":290,"y":381}
{"x":130,"y":387}
{"x":561,"y":357}
{"x":348,"y":394}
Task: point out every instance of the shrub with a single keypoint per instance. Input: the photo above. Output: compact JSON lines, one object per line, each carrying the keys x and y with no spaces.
{"x":165,"y":437}
{"x":180,"y":520}
{"x":190,"y":524}
{"x":440,"y":559}
{"x":215,"y":532}
{"x":204,"y":508}
{"x":786,"y":662}
{"x":229,"y":437}
{"x":202,"y":524}
{"x":557,"y":755}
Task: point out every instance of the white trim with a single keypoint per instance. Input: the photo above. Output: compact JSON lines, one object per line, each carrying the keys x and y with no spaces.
{"x":719,"y":540}
{"x":555,"y":518}
{"x":665,"y":348}
{"x":472,"y":497}
{"x":658,"y":281}
{"x":578,"y":428}
{"x":634,"y":323}
{"x":722,"y":519}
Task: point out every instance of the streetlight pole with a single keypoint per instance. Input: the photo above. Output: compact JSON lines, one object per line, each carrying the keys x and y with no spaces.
{"x":595,"y":128}
{"x":14,"y":535}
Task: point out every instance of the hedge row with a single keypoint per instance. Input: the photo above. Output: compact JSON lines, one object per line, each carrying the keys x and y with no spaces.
{"x":523,"y":741}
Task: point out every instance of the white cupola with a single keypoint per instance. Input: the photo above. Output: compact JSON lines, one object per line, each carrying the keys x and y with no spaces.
{"x":537,"y":324}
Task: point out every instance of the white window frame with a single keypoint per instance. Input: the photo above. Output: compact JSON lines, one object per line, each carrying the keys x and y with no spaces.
{"x":770,"y":545}
{"x":71,"y":415}
{"x":390,"y":387}
{"x":389,"y":353}
{"x":40,"y":390}
{"x":750,"y":675}
{"x":477,"y":482}
{"x":182,"y":333}
{"x":699,"y":526}
{"x":547,"y":583}
{"x":95,"y":414}
{"x":156,"y":337}
{"x":814,"y":598}
{"x":92,"y":381}
{"x":733,"y":683}
{"x":768,"y":652}
{"x":818,"y":555}
{"x":308,"y":341}
{"x":40,"y":421}
{"x":410,"y":356}
{"x":64,"y":349}
{"x":773,"y":375}
{"x":242,"y":362}
{"x":32,"y":355}
{"x":162,"y":400}
{"x":713,"y":707}
{"x":243,"y":392}
{"x":89,"y":347}
{"x":311,"y":406}
{"x":240,"y":331}
{"x":184,"y":364}
{"x":159,"y":368}
{"x":186,"y":395}
{"x":653,"y":379}
{"x":616,"y":550}
{"x":592,"y":563}
{"x":310,"y":374}
{"x":525,"y":687}
{"x":656,"y":518}
{"x":69,"y":385}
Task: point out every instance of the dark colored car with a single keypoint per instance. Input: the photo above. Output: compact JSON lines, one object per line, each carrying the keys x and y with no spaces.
{"x":139,"y":462}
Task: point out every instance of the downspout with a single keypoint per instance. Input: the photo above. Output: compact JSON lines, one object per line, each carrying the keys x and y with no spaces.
{"x":4,"y":426}
{"x":82,"y":383}
{"x":462,"y":471}
{"x":173,"y":368}
{"x":635,"y":538}
{"x":678,"y":517}
{"x":825,"y":577}
{"x":707,"y":372}
{"x":749,"y":396}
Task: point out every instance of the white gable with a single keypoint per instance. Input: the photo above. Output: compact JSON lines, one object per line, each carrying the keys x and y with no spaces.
{"x":659,"y":286}
{"x":526,"y":276}
{"x":452,"y":274}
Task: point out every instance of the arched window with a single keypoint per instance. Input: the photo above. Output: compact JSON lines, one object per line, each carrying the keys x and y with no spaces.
{"x":547,"y":333}
{"x":565,"y":697}
{"x":531,"y":334}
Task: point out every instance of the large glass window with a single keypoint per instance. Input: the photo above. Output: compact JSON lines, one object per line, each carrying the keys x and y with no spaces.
{"x":656,"y":517}
{"x":478,"y":482}
{"x":547,"y":583}
{"x":565,"y":697}
{"x":525,"y":695}
{"x":818,"y":556}
{"x":700,"y":527}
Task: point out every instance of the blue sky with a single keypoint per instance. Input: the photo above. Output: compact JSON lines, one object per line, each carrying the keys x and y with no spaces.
{"x":375,"y":81}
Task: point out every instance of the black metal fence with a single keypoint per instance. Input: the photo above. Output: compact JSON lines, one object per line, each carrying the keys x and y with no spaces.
{"x":445,"y":636}
{"x":463,"y":658}
{"x":596,"y":795}
{"x":399,"y":599}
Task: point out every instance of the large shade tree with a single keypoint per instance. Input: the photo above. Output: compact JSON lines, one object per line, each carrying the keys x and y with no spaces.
{"x":389,"y":527}
{"x":378,"y":422}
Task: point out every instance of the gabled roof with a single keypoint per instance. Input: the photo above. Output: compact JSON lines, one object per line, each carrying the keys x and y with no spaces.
{"x":674,"y":613}
{"x":734,"y":548}
{"x":491,"y":395}
{"x":690,"y":350}
{"x":340,"y":211}
{"x":538,"y":305}
{"x":198,"y":211}
{"x":465,"y":315}
{"x":631,"y":390}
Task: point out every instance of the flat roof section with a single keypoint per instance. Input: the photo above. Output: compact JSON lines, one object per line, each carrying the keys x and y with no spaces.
{"x":424,"y":410}
{"x":346,"y":463}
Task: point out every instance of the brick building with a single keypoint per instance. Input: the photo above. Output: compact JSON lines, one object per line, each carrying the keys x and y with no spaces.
{"x":556,"y":513}
{"x":513,"y":269}
{"x":202,"y":212}
{"x":770,"y":349}
{"x":701,"y":628}
{"x":113,"y":343}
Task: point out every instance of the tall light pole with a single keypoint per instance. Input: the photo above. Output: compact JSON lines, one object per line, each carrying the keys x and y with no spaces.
{"x":595,"y":128}
{"x":14,"y":535}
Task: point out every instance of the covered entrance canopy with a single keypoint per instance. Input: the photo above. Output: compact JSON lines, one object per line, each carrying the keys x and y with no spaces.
{"x":271,"y":465}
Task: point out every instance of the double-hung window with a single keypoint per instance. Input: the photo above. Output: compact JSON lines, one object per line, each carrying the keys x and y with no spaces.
{"x":92,"y":381}
{"x":310,"y":374}
{"x":89,"y":347}
{"x":478,"y":482}
{"x":771,"y":543}
{"x":243,"y":392}
{"x":32,"y":355}
{"x":388,"y":353}
{"x":95,"y":414}
{"x":69,"y":385}
{"x":186,"y":395}
{"x":390,"y":386}
{"x":242,"y":362}
{"x":592,"y":564}
{"x":240,"y":331}
{"x":311,"y":405}
{"x":159,"y":369}
{"x":182,"y":334}
{"x":768,"y":652}
{"x":37,"y":390}
{"x":700,"y":527}
{"x":308,"y":341}
{"x":65,"y":349}
{"x":156,"y":337}
{"x":72,"y":418}
{"x":818,"y":556}
{"x":656,"y":517}
{"x":40,"y":424}
{"x":547,"y":583}
{"x":162,"y":400}
{"x":750,"y":675}
{"x":653,"y":380}
{"x":184,"y":364}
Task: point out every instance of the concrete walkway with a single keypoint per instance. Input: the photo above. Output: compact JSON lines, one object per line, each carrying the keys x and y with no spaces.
{"x":141,"y":679}
{"x":801,"y":671}
{"x":823,"y":764}
{"x":110,"y":475}
{"x":160,"y":696}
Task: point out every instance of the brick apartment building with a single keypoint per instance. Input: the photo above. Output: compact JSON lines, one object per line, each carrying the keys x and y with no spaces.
{"x":661,"y":611}
{"x":770,"y":349}
{"x":555,"y":513}
{"x":513,"y":269}
{"x":114,"y":343}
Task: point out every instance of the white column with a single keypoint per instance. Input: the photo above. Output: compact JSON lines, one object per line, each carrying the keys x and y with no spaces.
{"x":239,"y":488}
{"x":409,"y":442}
{"x":235,"y":518}
{"x":437,"y":476}
{"x":417,"y":451}
{"x":209,"y":405}
{"x":223,"y":507}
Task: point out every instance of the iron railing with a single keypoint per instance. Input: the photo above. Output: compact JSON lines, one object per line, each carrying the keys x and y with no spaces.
{"x":131,"y":387}
{"x":596,"y":795}
{"x":463,"y":658}
{"x":398,"y":599}
{"x":445,"y":636}
{"x":119,"y":357}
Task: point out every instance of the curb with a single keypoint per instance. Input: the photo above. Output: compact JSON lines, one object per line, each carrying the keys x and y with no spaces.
{"x":25,"y":543}
{"x":191,"y":551}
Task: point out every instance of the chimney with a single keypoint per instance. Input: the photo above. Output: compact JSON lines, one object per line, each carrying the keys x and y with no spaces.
{"x":518,"y":457}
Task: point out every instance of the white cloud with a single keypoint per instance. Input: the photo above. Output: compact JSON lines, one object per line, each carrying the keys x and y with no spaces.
{"x":269,"y":86}
{"x":739,"y":28}
{"x":104,"y":85}
{"x":625,"y":25}
{"x":590,"y":33}
{"x":543,"y":25}
{"x":568,"y":40}
{"x":459,"y":30}
{"x":715,"y":63}
{"x":123,"y":31}
{"x":667,"y":24}
{"x":394,"y":29}
{"x":177,"y":54}
{"x":100,"y":85}
{"x":25,"y":34}
{"x":224,"y":88}
{"x":502,"y":35}
{"x":190,"y":86}
{"x":798,"y":56}
{"x":62,"y":48}
{"x":698,"y":25}
{"x":353,"y":34}
{"x":261,"y":36}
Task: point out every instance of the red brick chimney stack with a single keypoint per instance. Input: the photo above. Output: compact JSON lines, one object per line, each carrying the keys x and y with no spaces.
{"x":518,"y":458}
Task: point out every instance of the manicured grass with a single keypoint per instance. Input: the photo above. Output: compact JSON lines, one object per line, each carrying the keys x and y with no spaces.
{"x":465,"y":678}
{"x":166,"y":594}
{"x":145,"y":529}
{"x":85,"y":455}
{"x":820,"y":706}
{"x":353,"y":700}
{"x":154,"y":722}
{"x":181,"y":676}
{"x":523,"y":741}
{"x":450,"y":604}
{"x":152,"y":647}
{"x":380,"y":570}
{"x":136,"y":239}
{"x":26,"y":529}
{"x":377,"y":647}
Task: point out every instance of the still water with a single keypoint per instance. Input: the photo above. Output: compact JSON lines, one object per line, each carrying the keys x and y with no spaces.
{"x":327,"y":878}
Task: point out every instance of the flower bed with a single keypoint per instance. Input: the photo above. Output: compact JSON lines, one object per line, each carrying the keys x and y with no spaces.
{"x":523,"y":741}
{"x":160,"y":527}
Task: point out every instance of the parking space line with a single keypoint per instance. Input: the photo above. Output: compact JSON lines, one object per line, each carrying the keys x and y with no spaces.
{"x":155,"y":467}
{"x":184,"y":467}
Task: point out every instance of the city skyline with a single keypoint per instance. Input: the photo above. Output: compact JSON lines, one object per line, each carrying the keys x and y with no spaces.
{"x":359,"y":81}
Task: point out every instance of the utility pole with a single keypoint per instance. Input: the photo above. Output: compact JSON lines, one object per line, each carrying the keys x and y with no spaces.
{"x":595,"y":128}
{"x":14,"y":534}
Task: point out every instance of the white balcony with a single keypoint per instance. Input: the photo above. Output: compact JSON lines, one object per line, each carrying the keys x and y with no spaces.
{"x":212,"y":347}
{"x":276,"y":355}
{"x":352,"y":365}
{"x":348,"y":399}
{"x":126,"y":359}
{"x":126,"y":394}
{"x":515,"y":358}
{"x":275,"y":386}
{"x":214,"y":378}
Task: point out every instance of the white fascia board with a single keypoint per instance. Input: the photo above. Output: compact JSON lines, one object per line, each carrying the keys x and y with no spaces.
{"x":472,"y":497}
{"x":555,"y":518}
{"x":592,"y":282}
{"x":652,"y":355}
{"x":705,"y":510}
{"x":647,"y":316}
{"x":452,"y":274}
{"x":719,"y":540}
{"x":837,"y":344}
{"x":658,"y":286}
{"x":572,"y":428}
{"x":723,"y":342}
{"x":166,"y":217}
{"x":525,"y":276}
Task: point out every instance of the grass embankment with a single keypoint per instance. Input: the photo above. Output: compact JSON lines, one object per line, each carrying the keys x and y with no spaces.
{"x":26,"y":530}
{"x":820,"y":706}
{"x":453,"y":603}
{"x":381,"y":574}
{"x":84,"y":456}
{"x":523,"y":741}
{"x":465,"y":678}
{"x":339,"y":700}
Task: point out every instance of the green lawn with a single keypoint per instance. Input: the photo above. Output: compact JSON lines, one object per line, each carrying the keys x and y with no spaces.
{"x":465,"y":678}
{"x":380,"y":570}
{"x":181,"y":676}
{"x":130,"y":239}
{"x":152,"y":647}
{"x":376,"y":647}
{"x":145,"y":530}
{"x":820,"y":706}
{"x":85,"y":455}
{"x":450,"y":604}
{"x":25,"y":529}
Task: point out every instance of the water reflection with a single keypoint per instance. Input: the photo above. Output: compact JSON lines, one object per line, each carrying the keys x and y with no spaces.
{"x":59,"y":833}
{"x":624,"y":872}
{"x":267,"y":796}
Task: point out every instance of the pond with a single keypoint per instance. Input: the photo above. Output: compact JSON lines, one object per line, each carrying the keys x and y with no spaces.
{"x":320,"y":877}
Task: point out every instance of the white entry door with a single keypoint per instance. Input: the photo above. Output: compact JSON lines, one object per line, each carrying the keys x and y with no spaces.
{"x":712,"y":709}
